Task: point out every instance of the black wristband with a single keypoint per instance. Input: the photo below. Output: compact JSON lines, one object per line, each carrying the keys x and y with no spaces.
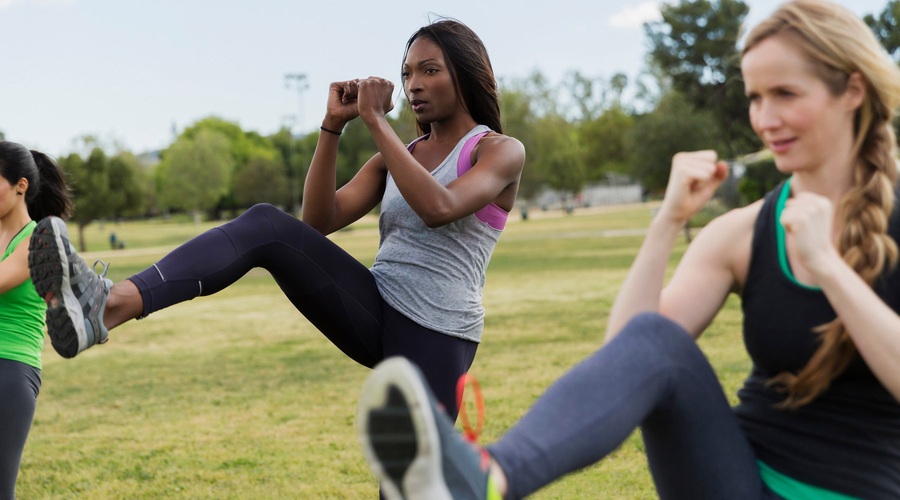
{"x":330,"y":131}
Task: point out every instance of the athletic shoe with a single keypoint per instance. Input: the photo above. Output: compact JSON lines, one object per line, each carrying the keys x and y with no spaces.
{"x":411,"y":444}
{"x":75,"y":294}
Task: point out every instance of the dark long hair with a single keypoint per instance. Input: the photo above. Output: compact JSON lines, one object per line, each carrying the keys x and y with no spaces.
{"x":470,"y":68}
{"x":47,"y":192}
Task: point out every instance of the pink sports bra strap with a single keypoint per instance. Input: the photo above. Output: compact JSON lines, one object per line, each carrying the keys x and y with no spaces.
{"x":491,"y":214}
{"x":465,"y":156}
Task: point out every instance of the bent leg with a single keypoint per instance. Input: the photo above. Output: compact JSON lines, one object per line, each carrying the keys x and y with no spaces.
{"x":19,"y":386}
{"x":330,"y":287}
{"x":651,"y":375}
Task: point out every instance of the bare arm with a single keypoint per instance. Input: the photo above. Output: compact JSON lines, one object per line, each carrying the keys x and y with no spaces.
{"x":692,"y":182}
{"x":325,"y":207}
{"x":499,"y":165}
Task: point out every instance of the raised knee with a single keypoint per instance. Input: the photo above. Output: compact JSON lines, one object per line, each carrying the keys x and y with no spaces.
{"x":652,"y":324}
{"x":261,"y":210}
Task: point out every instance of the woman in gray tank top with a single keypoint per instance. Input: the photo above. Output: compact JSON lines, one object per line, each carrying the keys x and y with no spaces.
{"x":444,"y":202}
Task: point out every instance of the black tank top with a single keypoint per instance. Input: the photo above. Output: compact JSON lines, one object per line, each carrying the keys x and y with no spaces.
{"x":848,"y":439}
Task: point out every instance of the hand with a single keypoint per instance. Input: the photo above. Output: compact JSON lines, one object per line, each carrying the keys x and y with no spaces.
{"x":341,"y":106}
{"x":807,"y":217}
{"x":375,"y":97}
{"x":694,"y":178}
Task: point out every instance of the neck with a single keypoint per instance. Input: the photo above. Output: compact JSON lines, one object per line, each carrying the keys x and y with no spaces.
{"x":452,"y":129}
{"x":15,"y":220}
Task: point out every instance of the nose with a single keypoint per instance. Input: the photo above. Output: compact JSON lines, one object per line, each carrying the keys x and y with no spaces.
{"x":412,"y":83}
{"x":764,"y":116}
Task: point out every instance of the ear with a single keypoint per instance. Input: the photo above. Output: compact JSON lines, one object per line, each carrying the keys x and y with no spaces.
{"x":22,"y":186}
{"x":857,"y":88}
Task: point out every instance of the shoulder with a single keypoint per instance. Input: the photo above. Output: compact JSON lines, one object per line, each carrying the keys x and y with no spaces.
{"x":738,"y":219}
{"x":494,"y":146}
{"x":729,"y":239}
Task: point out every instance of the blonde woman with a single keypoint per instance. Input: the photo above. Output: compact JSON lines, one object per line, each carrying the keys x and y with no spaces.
{"x":815,"y":266}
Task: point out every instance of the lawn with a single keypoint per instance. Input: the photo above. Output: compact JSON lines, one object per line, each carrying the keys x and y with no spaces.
{"x":237,"y":396}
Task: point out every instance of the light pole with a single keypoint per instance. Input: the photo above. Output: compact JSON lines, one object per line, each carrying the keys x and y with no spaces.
{"x":288,"y":122}
{"x":299,"y":82}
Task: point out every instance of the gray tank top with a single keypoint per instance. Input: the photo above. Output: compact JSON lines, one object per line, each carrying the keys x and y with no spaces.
{"x":435,"y":276}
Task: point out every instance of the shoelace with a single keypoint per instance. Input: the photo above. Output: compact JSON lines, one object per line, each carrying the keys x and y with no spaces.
{"x":103,"y":264}
{"x":471,"y":433}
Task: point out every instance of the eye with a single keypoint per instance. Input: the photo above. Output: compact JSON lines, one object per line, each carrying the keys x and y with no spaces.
{"x":785,"y":93}
{"x":404,"y":75}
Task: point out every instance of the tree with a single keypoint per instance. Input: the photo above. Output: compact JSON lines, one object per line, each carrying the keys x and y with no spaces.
{"x":519,"y":122}
{"x":695,"y":47}
{"x":196,"y":171}
{"x":672,"y":127}
{"x":262,"y":180}
{"x":89,"y":181}
{"x":605,"y":142}
{"x":562,"y":156}
{"x":242,"y":146}
{"x":2,"y":136}
{"x":127,"y":186}
{"x":886,"y":27}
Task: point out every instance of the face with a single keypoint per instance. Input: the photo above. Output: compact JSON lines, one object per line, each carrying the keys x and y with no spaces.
{"x":792,"y":110}
{"x":8,"y":197}
{"x":428,"y":83}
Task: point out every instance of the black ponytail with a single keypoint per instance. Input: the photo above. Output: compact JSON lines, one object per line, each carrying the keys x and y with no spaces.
{"x":47,"y":192}
{"x":52,"y":196}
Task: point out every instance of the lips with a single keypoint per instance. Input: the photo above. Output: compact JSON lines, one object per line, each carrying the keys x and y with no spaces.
{"x":417,"y":105}
{"x":782,"y":145}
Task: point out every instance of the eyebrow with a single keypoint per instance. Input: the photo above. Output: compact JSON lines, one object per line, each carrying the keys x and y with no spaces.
{"x":423,"y":62}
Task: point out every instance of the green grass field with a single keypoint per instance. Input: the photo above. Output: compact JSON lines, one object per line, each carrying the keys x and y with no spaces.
{"x":237,"y":396}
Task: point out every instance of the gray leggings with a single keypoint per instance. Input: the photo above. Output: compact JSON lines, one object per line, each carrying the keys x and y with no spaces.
{"x":19,"y":387}
{"x":652,"y":376}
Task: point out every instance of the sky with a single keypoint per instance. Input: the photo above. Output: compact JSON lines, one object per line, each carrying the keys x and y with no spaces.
{"x":134,"y":73}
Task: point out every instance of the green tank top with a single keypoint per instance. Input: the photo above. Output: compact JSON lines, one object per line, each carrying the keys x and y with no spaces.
{"x":22,"y":314}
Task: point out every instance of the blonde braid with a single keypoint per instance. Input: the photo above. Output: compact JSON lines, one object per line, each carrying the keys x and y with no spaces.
{"x":867,"y":248}
{"x":839,"y":44}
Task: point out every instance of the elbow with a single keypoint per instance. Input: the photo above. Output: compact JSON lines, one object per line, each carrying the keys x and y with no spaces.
{"x":437,"y":217}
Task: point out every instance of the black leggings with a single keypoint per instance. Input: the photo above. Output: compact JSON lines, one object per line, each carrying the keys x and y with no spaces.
{"x":19,"y":387}
{"x":326,"y":284}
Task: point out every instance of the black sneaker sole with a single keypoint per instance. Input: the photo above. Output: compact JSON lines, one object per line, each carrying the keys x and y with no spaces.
{"x":48,"y":273}
{"x":399,"y":434}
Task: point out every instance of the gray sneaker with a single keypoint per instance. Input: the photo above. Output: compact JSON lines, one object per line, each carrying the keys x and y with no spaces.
{"x":75,"y":294}
{"x":411,"y":444}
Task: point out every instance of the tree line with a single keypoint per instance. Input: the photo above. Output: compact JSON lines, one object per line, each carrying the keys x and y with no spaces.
{"x":581,"y":130}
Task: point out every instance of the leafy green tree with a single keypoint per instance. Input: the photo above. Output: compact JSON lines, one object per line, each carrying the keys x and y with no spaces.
{"x":242,"y":146}
{"x":2,"y":136}
{"x":196,"y":171}
{"x":519,"y":122}
{"x":605,"y":142}
{"x":694,"y":46}
{"x":672,"y":127}
{"x":562,"y":156}
{"x":262,"y":180}
{"x":89,"y":181}
{"x":759,"y":178}
{"x":354,"y":149}
{"x":886,"y":27}
{"x":127,"y":186}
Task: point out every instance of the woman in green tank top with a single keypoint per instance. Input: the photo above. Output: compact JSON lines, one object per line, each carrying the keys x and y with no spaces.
{"x":31,"y":187}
